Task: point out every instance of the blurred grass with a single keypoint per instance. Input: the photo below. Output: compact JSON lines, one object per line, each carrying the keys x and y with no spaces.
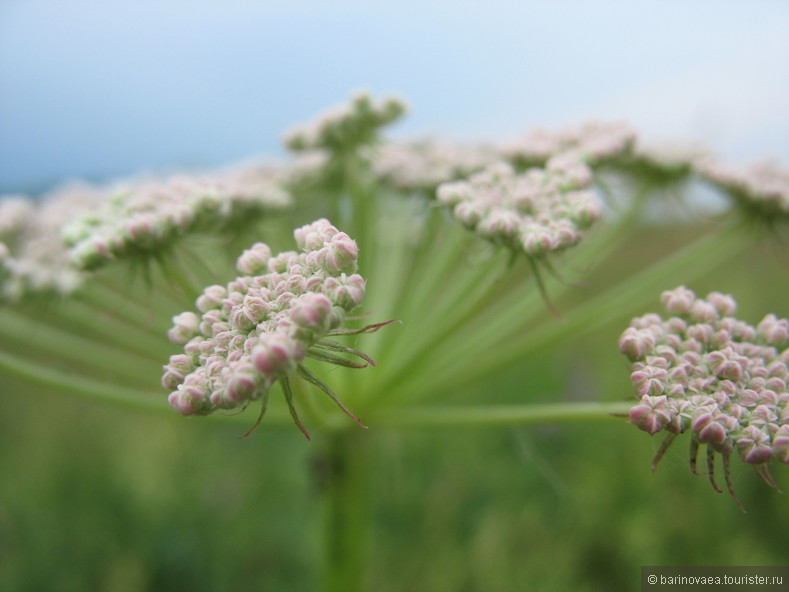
{"x":98,"y":498}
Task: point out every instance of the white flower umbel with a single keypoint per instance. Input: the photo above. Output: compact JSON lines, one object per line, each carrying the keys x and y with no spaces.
{"x":761,"y":190}
{"x":144,"y":218}
{"x":36,"y":260}
{"x":596,"y":143}
{"x":346,"y":126}
{"x":258,"y":329}
{"x":704,"y":371}
{"x":539,"y":212}
{"x":424,"y":165}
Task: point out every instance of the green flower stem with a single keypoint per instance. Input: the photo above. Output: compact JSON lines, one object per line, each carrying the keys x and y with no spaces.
{"x":484,"y":324}
{"x":498,"y":415}
{"x":346,"y":470}
{"x":475,"y":307}
{"x":64,"y":382}
{"x":100,"y":296}
{"x":58,"y":345}
{"x":138,"y":399}
{"x":177,"y":278}
{"x":434,"y":256}
{"x":106,"y":325}
{"x":451,"y":368}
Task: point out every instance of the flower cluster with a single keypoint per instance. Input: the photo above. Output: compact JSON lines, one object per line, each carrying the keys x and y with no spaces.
{"x":32,"y":256}
{"x":762,"y":189}
{"x":145,"y":217}
{"x":346,"y":126}
{"x":424,"y":165}
{"x":259,"y":328}
{"x":538,"y":212}
{"x":595,"y":142}
{"x":664,"y":163}
{"x":702,"y":370}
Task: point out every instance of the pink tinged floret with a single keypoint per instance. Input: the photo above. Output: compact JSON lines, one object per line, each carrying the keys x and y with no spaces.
{"x":649,"y":381}
{"x":773,"y":330}
{"x":312,"y":311}
{"x":188,"y":400}
{"x":275,"y":356}
{"x":724,"y":304}
{"x":678,"y":301}
{"x":254,"y":260}
{"x":781,"y":444}
{"x":726,"y":364}
{"x":636,"y":343}
{"x":754,"y":445}
{"x":211,"y":298}
{"x":174,"y":373}
{"x":711,"y":426}
{"x":652,"y":414}
{"x":185,"y":326}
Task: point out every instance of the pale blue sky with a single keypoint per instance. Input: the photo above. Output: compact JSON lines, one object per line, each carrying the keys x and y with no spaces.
{"x":95,"y":89}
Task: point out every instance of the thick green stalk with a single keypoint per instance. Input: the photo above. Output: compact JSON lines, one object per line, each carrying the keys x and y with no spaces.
{"x":344,"y":470}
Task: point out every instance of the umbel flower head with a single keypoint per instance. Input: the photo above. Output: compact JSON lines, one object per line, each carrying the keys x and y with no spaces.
{"x":259,"y":328}
{"x":33,"y":259}
{"x":595,"y":142}
{"x":761,"y":190}
{"x":539,"y":212}
{"x":145,"y":217}
{"x":703,"y":371}
{"x":346,"y":126}
{"x":423,"y":165}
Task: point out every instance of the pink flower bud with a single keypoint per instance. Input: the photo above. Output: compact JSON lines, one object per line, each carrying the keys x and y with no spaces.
{"x":276,"y":355}
{"x":185,"y":327}
{"x":678,"y":301}
{"x":651,"y":414}
{"x":649,"y":381}
{"x":781,"y":444}
{"x":212,"y":298}
{"x":773,"y":330}
{"x":311,"y":311}
{"x":754,"y":445}
{"x":254,"y":261}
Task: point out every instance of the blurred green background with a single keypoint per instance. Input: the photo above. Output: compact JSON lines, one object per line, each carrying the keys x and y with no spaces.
{"x":94,"y":497}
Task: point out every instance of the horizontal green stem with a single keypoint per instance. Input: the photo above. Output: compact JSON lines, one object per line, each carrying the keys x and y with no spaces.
{"x":60,"y":345}
{"x":73,"y":384}
{"x":498,"y":415}
{"x":68,"y":383}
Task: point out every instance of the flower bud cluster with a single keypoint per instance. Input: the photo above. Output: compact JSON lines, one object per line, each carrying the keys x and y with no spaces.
{"x":259,"y":327}
{"x":762,"y":189}
{"x":32,"y":257}
{"x":538,"y":212}
{"x":147,"y":216}
{"x":424,"y":165}
{"x":702,"y":370}
{"x":346,"y":126}
{"x":596,"y":142}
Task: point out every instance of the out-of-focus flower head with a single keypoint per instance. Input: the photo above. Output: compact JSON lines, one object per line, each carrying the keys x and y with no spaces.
{"x":423,"y":165}
{"x":35,"y":258}
{"x":346,"y":127}
{"x":595,"y":142}
{"x":539,"y":212}
{"x":144,"y":218}
{"x":762,"y":190}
